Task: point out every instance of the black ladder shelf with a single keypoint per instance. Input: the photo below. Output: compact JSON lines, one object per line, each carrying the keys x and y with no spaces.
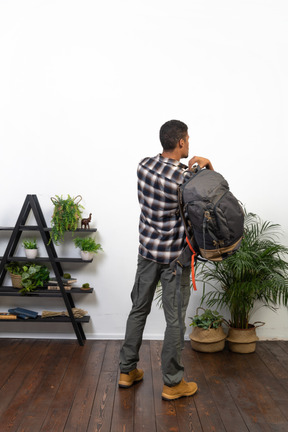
{"x":31,"y":203}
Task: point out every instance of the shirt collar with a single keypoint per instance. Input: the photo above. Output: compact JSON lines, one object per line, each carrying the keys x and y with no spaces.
{"x":169,"y":161}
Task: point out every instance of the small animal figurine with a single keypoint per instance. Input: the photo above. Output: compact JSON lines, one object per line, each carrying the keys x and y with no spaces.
{"x":85,"y":222}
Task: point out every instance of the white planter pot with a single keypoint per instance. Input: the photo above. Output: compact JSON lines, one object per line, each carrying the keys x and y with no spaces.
{"x":31,"y":253}
{"x":86,"y":256}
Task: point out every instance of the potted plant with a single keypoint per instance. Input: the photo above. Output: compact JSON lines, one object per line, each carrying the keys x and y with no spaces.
{"x":27,"y":277}
{"x":88,"y":247}
{"x":66,"y":215}
{"x":256,"y":273}
{"x":207,"y":334}
{"x":31,"y":248}
{"x":33,"y":276}
{"x":15,"y":270}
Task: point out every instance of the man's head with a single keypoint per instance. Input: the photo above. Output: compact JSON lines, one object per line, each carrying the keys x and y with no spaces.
{"x":173,"y":134}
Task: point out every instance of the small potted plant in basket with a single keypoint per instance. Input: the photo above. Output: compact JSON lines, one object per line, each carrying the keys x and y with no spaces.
{"x":31,"y":249}
{"x":207,"y":334}
{"x":28,"y":276}
{"x":88,"y":247}
{"x":15,"y":270}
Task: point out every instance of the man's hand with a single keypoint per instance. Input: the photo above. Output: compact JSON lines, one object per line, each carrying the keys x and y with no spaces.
{"x":201,"y":161}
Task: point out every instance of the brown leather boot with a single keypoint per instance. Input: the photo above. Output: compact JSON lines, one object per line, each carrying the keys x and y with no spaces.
{"x":182,"y":389}
{"x":127,"y":380}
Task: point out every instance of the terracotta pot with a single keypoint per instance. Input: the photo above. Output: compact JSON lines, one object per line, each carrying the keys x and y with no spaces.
{"x":210,"y":340}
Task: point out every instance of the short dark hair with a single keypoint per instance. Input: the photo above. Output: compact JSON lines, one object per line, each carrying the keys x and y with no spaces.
{"x":171,"y":132}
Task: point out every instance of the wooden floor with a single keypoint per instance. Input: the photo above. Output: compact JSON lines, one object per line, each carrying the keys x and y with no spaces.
{"x":49,"y":385}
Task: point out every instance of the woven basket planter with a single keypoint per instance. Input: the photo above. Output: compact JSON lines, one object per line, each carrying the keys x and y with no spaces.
{"x":16,"y":280}
{"x":242,"y":341}
{"x":211,"y":340}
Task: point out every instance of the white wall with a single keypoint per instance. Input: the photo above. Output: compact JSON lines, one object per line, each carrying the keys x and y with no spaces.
{"x":84,"y":89}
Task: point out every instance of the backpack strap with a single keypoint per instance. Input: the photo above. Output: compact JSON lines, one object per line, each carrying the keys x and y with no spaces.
{"x":183,"y":260}
{"x":187,"y":256}
{"x":179,"y":270}
{"x":193,"y":262}
{"x":181,"y":209}
{"x":189,"y":238}
{"x":180,"y":263}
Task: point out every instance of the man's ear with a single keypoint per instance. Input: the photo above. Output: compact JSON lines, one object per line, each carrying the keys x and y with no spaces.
{"x":181,"y":143}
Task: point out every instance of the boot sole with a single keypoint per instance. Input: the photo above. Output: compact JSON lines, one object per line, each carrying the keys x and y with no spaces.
{"x":124,"y":385}
{"x":168,"y":397}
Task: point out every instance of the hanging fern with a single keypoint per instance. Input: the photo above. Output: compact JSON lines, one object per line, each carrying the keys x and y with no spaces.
{"x":66,"y":215}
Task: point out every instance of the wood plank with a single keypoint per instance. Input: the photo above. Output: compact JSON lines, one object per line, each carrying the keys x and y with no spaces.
{"x":212,"y":366}
{"x":187,"y":415}
{"x":165,"y":412}
{"x":102,"y":411}
{"x":103,"y":407}
{"x":273,"y":398}
{"x":84,"y":396}
{"x":136,"y":414}
{"x":58,"y":386}
{"x":55,"y":364}
{"x":245,"y":389}
{"x":278,"y":357}
{"x":16,"y":391}
{"x":207,"y":411}
{"x":11,"y":353}
{"x":257,"y":379}
{"x":273,"y":375}
{"x":123,"y":411}
{"x":144,"y":412}
{"x":284,"y":346}
{"x":111,"y":360}
{"x":60,"y":407}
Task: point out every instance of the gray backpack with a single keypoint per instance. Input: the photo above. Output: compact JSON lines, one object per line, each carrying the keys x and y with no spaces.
{"x":212,"y":216}
{"x":214,"y":224}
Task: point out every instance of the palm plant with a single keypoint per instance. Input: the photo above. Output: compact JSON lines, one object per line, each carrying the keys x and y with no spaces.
{"x":257,"y":272}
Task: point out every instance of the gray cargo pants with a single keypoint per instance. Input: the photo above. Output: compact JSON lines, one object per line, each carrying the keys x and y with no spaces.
{"x":147,"y":276}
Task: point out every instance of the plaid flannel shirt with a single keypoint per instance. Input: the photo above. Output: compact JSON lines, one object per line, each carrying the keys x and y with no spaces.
{"x":161,"y":231}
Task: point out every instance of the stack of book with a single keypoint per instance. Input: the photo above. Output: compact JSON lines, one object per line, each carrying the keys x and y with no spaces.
{"x":23,"y":313}
{"x":54,"y":285}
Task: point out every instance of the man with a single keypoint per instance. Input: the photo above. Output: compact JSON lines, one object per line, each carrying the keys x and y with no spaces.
{"x":161,"y":240}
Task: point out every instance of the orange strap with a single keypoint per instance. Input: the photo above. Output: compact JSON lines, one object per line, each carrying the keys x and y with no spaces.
{"x":192,"y":264}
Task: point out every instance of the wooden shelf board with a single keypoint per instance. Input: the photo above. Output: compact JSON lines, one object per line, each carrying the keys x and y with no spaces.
{"x":36,"y":228}
{"x":58,"y":319}
{"x":47,"y":259}
{"x":41,"y":292}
